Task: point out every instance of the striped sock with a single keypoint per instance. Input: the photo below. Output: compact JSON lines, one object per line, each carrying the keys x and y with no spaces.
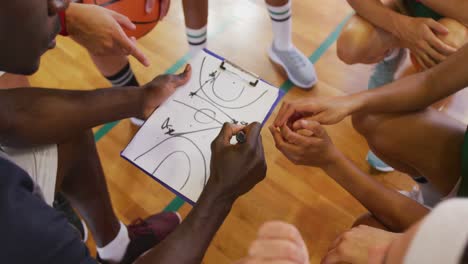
{"x":282,"y":25}
{"x":124,"y":77}
{"x":196,"y":39}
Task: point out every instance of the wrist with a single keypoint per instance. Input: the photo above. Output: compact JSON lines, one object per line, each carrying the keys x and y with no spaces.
{"x":215,"y":198}
{"x":333,"y":160}
{"x":397,"y":23}
{"x":357,"y":101}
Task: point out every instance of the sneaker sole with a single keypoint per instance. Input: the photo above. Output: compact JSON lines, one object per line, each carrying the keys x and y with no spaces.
{"x":277,"y":61}
{"x":381,"y":169}
{"x":137,"y":122}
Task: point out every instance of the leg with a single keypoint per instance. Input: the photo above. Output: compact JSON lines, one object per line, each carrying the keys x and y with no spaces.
{"x":362,"y":42}
{"x":283,"y":52}
{"x":81,"y":179}
{"x":196,"y":21}
{"x":429,"y":145}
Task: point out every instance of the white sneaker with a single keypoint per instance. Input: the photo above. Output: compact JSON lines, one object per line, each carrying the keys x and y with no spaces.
{"x":299,"y":69}
{"x":137,"y":121}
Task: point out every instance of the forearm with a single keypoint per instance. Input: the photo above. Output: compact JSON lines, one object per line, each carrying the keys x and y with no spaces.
{"x":417,"y":91}
{"x":33,"y":116}
{"x":189,"y":242}
{"x":393,"y":209}
{"x":377,"y":13}
{"x":454,"y":9}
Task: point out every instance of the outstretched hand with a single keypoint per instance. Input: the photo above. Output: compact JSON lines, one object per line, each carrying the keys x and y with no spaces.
{"x":160,"y":88}
{"x":100,"y":31}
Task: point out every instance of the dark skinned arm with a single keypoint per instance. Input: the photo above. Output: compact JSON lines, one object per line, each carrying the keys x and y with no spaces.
{"x":394,"y":210}
{"x":235,"y":170}
{"x":33,"y":116}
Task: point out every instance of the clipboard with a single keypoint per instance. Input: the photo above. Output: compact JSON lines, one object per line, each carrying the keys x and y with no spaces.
{"x":138,"y":143}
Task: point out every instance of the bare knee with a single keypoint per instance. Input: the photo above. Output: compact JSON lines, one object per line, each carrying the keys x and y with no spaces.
{"x":352,"y":45}
{"x":458,"y":33}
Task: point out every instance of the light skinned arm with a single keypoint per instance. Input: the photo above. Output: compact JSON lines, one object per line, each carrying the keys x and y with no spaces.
{"x":235,"y":170}
{"x":394,"y":210}
{"x":37,"y":116}
{"x":417,"y":91}
{"x":411,"y":93}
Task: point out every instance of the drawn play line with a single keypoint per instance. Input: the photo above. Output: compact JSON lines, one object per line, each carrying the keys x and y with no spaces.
{"x":198,"y":110}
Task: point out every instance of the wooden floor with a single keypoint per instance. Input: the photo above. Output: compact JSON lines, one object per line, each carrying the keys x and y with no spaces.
{"x":241,"y":31}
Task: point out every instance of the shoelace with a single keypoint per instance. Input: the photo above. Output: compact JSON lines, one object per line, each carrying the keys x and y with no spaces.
{"x":139,"y":227}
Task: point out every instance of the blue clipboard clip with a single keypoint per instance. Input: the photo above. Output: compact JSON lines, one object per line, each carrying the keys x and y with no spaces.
{"x":226,"y":63}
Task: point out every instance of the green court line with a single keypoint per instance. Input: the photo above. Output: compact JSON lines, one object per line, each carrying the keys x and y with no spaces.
{"x":174,"y":205}
{"x":318,"y":53}
{"x":104,"y":130}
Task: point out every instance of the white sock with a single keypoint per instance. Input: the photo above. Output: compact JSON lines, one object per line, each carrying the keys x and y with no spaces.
{"x":196,"y":39}
{"x":282,"y":25}
{"x":115,"y":250}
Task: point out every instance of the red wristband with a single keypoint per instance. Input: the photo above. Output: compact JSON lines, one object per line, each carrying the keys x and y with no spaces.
{"x":63,"y":23}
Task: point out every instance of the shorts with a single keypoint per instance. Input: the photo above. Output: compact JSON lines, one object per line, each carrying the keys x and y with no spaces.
{"x":417,"y":9}
{"x":463,"y":189}
{"x":41,"y":163}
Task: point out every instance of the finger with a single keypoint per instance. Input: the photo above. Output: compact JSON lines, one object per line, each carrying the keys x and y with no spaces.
{"x":435,"y":55}
{"x":420,"y":61}
{"x":149,"y":6}
{"x":313,"y":126}
{"x":287,"y":149}
{"x":437,"y":27}
{"x":332,"y":257}
{"x":281,"y":230}
{"x":130,"y":48}
{"x":336,"y":242}
{"x":424,"y":60}
{"x":298,"y":139}
{"x":183,"y":77}
{"x":224,"y":137}
{"x":442,"y":47}
{"x":277,"y":249}
{"x":281,"y":112}
{"x":252,"y":132}
{"x":164,"y":9}
{"x":123,"y":21}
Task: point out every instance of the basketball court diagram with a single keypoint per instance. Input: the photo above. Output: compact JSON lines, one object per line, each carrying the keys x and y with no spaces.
{"x":174,"y":144}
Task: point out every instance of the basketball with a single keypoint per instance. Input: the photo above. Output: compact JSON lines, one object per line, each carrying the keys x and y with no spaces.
{"x":135,"y":11}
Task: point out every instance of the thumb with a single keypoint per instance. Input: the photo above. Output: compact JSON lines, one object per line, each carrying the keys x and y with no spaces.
{"x":437,"y":27}
{"x":312,"y":126}
{"x":183,"y":77}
